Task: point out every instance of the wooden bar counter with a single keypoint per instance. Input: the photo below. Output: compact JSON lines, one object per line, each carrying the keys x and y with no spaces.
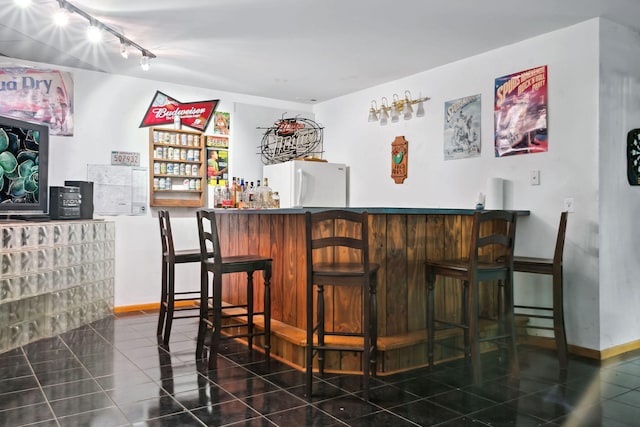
{"x":401,"y":239}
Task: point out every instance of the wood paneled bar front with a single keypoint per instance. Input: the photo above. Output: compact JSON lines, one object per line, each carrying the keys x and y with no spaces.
{"x":401,"y":240}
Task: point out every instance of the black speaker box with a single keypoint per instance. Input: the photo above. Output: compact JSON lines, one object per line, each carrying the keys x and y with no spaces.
{"x":86,"y":191}
{"x":64,"y":202}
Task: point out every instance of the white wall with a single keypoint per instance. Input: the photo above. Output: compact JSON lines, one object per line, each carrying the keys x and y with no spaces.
{"x":619,"y":201}
{"x":568,"y":169}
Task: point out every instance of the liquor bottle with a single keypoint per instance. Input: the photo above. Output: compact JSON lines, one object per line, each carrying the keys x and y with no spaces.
{"x":267,"y":194}
{"x":233,"y":189}
{"x":251,"y":196}
{"x":258,"y":195}
{"x":226,"y":196}
{"x":217,"y":194}
{"x":239,"y":198}
{"x":276,"y":200}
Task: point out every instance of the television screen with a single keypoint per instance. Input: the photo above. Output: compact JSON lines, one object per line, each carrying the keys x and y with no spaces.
{"x":24,"y":149}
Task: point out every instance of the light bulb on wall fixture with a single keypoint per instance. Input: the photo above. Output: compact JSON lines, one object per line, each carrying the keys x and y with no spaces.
{"x":384,"y":111}
{"x":407,"y":110}
{"x":398,"y":106}
{"x":373,"y":116}
{"x":144,"y":62}
{"x":395,"y":113}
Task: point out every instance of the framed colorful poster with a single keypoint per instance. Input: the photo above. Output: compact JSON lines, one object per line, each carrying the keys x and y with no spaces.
{"x":217,"y":165}
{"x":520,"y":113}
{"x":462,"y":128}
{"x":39,"y":95}
{"x":222,"y":123}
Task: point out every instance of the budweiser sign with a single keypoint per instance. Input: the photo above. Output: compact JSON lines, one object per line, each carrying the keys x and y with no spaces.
{"x":164,"y":109}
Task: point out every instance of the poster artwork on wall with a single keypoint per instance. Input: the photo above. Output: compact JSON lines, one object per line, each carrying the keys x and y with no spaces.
{"x":222,"y":123}
{"x":163,"y":110}
{"x":462,"y":128}
{"x":520,"y":112}
{"x":38,"y":95}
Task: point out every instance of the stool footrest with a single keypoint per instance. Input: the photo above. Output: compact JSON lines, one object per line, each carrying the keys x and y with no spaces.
{"x":337,"y":348}
{"x":537,"y":316}
{"x":533,"y":307}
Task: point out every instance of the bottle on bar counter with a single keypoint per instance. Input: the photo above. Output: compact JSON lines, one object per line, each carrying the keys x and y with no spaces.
{"x":233,"y":189}
{"x":250,"y":196}
{"x":226,"y":196}
{"x":217,"y":194}
{"x":239,"y":195}
{"x":267,"y":194}
{"x":257,"y":198}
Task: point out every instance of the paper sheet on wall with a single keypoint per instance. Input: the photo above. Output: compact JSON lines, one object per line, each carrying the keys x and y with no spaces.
{"x":118,"y":190}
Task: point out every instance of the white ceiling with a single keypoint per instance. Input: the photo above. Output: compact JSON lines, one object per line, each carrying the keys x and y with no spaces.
{"x":297,"y":50}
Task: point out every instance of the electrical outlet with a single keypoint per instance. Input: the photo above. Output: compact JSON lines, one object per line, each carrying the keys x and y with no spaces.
{"x":568,"y":204}
{"x":534,"y":177}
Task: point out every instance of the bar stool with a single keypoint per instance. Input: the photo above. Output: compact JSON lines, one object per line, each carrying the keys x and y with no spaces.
{"x":552,"y":267}
{"x":211,"y":316}
{"x":337,"y":252}
{"x":171,"y":257}
{"x":492,"y":236}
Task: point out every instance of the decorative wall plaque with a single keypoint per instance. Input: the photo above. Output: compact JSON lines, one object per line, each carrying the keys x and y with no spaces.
{"x":399,"y":154}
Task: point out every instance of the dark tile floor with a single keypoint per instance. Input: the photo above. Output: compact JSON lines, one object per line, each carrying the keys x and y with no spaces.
{"x":112,"y":373}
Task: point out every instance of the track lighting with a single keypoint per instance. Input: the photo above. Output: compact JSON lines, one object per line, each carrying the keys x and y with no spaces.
{"x":96,"y":29}
{"x":398,"y":106}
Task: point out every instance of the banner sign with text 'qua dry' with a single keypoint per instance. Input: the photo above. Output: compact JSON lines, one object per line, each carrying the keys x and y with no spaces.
{"x":38,"y":95}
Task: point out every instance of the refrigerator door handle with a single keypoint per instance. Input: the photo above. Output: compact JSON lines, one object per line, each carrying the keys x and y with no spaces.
{"x":298,"y":188}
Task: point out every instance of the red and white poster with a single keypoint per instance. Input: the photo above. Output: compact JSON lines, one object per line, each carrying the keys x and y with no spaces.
{"x":38,"y":95}
{"x":520,"y":113}
{"x":163,"y":110}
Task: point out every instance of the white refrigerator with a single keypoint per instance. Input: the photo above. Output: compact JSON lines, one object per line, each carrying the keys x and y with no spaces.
{"x":308,"y":184}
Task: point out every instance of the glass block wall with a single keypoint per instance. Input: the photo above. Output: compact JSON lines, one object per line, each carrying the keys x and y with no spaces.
{"x":55,"y":276}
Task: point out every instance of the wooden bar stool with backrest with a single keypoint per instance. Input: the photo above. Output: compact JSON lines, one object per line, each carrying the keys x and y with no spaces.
{"x":552,"y":267}
{"x":492,"y":237}
{"x":337,"y":252}
{"x":169,"y":296}
{"x":211,"y":316}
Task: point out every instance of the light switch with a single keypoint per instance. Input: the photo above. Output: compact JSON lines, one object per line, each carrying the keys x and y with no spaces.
{"x":534,"y":177}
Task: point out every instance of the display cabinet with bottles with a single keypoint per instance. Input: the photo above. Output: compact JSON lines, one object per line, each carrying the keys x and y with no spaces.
{"x":177,"y":167}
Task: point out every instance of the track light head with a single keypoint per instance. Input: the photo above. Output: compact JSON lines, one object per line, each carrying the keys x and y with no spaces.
{"x":144,"y":61}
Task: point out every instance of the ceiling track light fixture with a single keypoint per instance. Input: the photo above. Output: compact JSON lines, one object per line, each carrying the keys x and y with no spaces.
{"x":144,"y":61}
{"x":98,"y":27}
{"x":61,"y":17}
{"x":398,"y":106}
{"x":22,"y":3}
{"x":124,"y":51}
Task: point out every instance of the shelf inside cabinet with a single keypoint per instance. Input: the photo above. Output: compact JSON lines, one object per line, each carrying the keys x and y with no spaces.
{"x":185,"y":187}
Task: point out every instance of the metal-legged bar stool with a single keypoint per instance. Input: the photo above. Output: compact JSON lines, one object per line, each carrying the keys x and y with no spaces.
{"x":490,"y":258}
{"x":552,"y":267}
{"x":337,"y":244}
{"x":211,"y":316}
{"x":169,"y":296}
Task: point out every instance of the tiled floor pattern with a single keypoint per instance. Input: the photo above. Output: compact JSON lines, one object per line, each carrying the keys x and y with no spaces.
{"x":113,"y":373}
